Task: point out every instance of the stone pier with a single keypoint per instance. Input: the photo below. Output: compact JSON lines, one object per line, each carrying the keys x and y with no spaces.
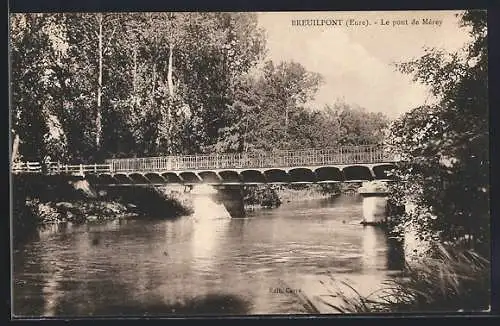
{"x":232,"y":198}
{"x":375,"y":208}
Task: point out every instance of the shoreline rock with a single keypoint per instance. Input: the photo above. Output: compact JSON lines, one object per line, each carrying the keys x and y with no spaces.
{"x":79,"y":211}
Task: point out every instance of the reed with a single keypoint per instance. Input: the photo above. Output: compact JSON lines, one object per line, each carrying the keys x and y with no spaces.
{"x":451,"y":280}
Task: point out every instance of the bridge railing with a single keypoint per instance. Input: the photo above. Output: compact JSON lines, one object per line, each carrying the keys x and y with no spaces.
{"x":276,"y":159}
{"x":57,"y":168}
{"x":26,"y":167}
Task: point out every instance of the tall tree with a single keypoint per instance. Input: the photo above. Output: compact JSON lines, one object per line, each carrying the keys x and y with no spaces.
{"x":289,"y":84}
{"x":266,"y":104}
{"x":355,"y":125}
{"x":36,"y":53}
{"x":90,"y":38}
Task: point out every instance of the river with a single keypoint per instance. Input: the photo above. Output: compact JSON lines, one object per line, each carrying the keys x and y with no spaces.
{"x":203,"y":264}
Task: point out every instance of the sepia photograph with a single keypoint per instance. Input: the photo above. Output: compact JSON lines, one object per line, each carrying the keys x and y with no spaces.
{"x":182,"y":164}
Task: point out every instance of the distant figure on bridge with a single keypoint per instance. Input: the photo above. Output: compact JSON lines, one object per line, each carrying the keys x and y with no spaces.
{"x":46,"y":164}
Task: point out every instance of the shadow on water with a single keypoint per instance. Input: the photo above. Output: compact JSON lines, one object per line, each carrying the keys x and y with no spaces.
{"x":210,"y":304}
{"x":68,"y":305}
{"x":395,"y":254}
{"x":63,"y":294}
{"x":378,"y":238}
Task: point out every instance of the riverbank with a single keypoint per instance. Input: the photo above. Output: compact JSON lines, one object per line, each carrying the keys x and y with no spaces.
{"x":272,"y":196}
{"x":78,"y":202}
{"x":36,"y":204}
{"x":79,"y":211}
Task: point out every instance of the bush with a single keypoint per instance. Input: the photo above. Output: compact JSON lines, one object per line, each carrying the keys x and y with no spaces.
{"x":263,"y":196}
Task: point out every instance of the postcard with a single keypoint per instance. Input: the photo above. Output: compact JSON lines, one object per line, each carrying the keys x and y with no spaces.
{"x":168,"y":164}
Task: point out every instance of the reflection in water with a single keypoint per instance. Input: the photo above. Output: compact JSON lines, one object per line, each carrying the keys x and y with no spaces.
{"x":205,"y":263}
{"x":395,"y":254}
{"x":205,"y":242}
{"x":204,"y":205}
{"x":373,"y":244}
{"x":50,"y":291}
{"x":49,"y":230}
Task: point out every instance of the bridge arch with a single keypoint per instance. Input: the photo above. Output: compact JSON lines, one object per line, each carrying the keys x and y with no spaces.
{"x":123,"y":178}
{"x":209,"y":177}
{"x":329,"y":173}
{"x":301,"y":175}
{"x":276,"y":175}
{"x":357,"y":173}
{"x":190,"y":177}
{"x":155,"y":177}
{"x":171,"y":177}
{"x":106,"y":178}
{"x":253,"y":176}
{"x":230,"y":176}
{"x":138,"y":178}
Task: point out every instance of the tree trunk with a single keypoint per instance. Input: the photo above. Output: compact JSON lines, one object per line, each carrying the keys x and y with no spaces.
{"x":153,"y":87}
{"x":134,"y":73}
{"x":15,"y":148}
{"x":171,"y":93}
{"x":285,"y":138}
{"x":286,"y":120}
{"x":245,"y":143}
{"x":153,"y":82}
{"x":99,"y":87}
{"x":169,"y":73}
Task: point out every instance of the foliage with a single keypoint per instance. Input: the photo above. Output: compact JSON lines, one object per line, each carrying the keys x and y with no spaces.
{"x":356,"y":126}
{"x":164,"y":79}
{"x":89,"y":86}
{"x":444,"y":147}
{"x":259,"y":119}
{"x":263,"y":196}
{"x":30,"y":87}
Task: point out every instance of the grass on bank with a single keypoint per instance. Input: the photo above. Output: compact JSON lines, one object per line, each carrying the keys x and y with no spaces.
{"x":450,"y":281}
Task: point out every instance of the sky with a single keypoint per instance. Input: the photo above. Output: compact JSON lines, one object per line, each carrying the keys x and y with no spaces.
{"x":356,"y":61}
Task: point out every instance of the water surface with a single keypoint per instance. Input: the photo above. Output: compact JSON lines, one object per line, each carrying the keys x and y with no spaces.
{"x":202,"y":264}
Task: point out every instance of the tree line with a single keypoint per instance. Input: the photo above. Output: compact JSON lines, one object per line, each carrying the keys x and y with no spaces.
{"x":90,"y":86}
